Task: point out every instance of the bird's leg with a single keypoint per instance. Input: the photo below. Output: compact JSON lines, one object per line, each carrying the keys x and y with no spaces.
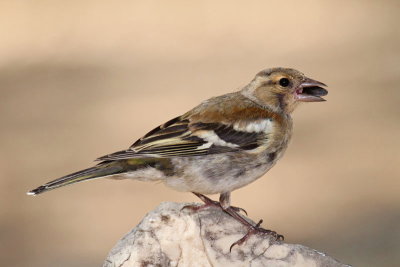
{"x":255,"y":229}
{"x":208,"y":202}
{"x":225,"y":204}
{"x":252,"y":229}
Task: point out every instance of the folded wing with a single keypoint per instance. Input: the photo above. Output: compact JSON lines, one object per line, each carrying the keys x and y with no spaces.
{"x":180,"y":137}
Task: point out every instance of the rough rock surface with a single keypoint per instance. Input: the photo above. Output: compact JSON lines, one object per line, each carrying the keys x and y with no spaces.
{"x":168,"y":236}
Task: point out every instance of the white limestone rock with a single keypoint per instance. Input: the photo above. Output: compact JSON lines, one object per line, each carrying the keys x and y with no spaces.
{"x":168,"y":236}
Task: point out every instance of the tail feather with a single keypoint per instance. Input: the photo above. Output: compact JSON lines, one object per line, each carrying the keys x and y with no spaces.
{"x":98,"y":171}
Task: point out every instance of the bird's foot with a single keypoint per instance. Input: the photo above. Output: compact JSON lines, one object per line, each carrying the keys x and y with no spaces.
{"x":257,"y":230}
{"x":208,"y":202}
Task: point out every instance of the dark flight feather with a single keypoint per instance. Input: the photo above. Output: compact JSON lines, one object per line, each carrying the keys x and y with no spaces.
{"x":178,"y":138}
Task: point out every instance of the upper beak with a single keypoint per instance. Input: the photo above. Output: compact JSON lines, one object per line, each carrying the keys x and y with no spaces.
{"x":311,"y":91}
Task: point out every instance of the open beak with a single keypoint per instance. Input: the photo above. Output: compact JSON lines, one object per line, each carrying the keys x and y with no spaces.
{"x":311,"y":91}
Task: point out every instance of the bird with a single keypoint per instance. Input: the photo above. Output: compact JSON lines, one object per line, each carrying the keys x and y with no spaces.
{"x":223,"y":144}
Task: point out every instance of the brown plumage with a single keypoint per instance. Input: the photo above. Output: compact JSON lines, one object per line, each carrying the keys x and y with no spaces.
{"x":223,"y":144}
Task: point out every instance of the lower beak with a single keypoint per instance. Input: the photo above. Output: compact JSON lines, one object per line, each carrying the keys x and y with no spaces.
{"x":311,"y":91}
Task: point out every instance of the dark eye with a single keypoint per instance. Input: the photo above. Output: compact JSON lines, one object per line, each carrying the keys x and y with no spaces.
{"x":284,"y":82}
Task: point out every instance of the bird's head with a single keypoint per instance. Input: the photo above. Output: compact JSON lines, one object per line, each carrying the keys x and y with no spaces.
{"x":281,"y":89}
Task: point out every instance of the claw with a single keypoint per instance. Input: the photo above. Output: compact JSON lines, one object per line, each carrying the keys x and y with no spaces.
{"x":280,"y":237}
{"x":255,"y":230}
{"x":239,"y":242}
{"x":237,"y":209}
{"x":192,"y":207}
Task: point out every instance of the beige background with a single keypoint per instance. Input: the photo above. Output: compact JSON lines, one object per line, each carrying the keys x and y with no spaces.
{"x":80,"y":79}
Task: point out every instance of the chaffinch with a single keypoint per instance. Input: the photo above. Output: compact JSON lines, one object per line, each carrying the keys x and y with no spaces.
{"x":221,"y":145}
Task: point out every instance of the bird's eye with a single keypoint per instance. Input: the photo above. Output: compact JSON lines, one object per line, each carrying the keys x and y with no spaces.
{"x":284,"y":82}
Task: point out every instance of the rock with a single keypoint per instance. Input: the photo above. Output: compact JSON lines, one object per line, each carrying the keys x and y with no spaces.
{"x":168,"y":236}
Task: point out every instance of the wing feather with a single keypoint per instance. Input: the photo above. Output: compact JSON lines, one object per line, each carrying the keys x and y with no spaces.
{"x":181,"y":138}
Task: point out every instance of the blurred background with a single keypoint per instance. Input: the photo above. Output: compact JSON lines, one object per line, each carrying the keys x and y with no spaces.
{"x":80,"y":79}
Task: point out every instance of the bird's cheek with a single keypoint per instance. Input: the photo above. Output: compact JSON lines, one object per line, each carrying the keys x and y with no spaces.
{"x":290,"y":103}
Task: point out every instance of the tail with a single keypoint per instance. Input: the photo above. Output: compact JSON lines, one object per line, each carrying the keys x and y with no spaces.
{"x":99,"y":171}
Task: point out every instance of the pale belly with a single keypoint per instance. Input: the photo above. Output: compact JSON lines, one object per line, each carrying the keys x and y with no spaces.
{"x":219,"y":173}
